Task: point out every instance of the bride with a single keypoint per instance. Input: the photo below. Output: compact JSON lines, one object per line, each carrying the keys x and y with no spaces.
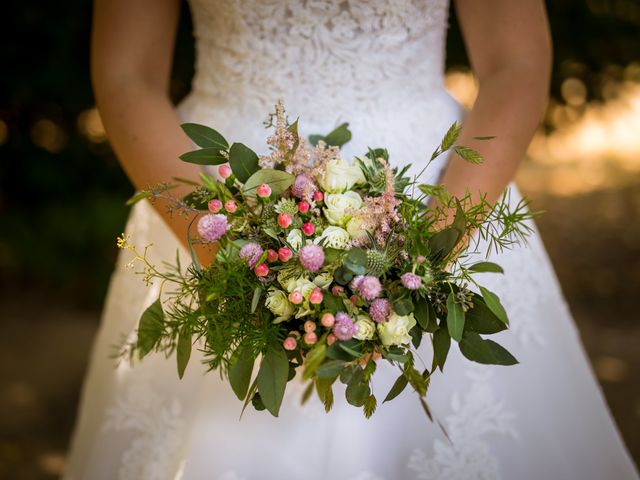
{"x":379,"y":65}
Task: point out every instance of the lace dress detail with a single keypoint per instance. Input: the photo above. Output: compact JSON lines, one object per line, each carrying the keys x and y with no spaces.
{"x":379,"y":65}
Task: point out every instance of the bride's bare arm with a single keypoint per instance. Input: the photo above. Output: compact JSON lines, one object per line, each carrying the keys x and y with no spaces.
{"x":509,"y":48}
{"x":131,"y":57}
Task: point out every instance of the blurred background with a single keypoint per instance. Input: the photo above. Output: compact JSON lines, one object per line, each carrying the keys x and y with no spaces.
{"x":62,"y":199}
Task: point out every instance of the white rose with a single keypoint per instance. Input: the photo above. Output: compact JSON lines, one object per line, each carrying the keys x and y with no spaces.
{"x":323,"y":280}
{"x":339,"y":176}
{"x":366,"y":327}
{"x":295,"y":239}
{"x":354,"y":227}
{"x":279,"y":305}
{"x":334,"y":237}
{"x":395,"y":331}
{"x":340,"y":207}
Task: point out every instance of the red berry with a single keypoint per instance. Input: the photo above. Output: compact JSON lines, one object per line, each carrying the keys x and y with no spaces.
{"x":272,"y":255}
{"x":303,"y":206}
{"x":261,"y":270}
{"x":284,"y":220}
{"x":285,"y":254}
{"x":308,"y":228}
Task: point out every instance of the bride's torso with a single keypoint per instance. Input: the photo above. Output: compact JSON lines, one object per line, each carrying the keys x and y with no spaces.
{"x":377,"y":64}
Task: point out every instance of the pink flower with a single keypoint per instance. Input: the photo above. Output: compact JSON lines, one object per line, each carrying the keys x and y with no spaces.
{"x":302,"y":187}
{"x":224,"y":171}
{"x":212,"y":227}
{"x":272,"y":255}
{"x":309,"y":326}
{"x":337,"y":290}
{"x":344,"y":328}
{"x":327,"y":320}
{"x":311,"y":257}
{"x":316,"y":296}
{"x":251,"y":252}
{"x":261,"y":270}
{"x":369,"y":287}
{"x":295,"y":297}
{"x":285,"y":254}
{"x":214,"y":205}
{"x":308,"y":228}
{"x":284,"y":220}
{"x":310,"y":338}
{"x":380,"y":309}
{"x":264,"y":191}
{"x":230,"y":206}
{"x":411,"y":281}
{"x":289,"y":343}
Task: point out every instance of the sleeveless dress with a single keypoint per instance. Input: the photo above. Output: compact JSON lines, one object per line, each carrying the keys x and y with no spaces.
{"x":379,"y":65}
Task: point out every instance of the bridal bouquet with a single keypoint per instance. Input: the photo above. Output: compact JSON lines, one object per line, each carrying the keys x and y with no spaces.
{"x":324,"y":266}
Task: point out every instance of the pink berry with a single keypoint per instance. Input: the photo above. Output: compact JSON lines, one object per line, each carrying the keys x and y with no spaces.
{"x":261,"y":270}
{"x":214,"y":205}
{"x":328,"y":320}
{"x":309,"y":326}
{"x":310,"y":338}
{"x":318,"y":196}
{"x":337,"y":290}
{"x":230,"y":206}
{"x":316,"y":296}
{"x":308,"y":228}
{"x":295,"y":297}
{"x":285,"y":254}
{"x":303,"y":206}
{"x":272,"y":255}
{"x":331,"y":338}
{"x":289,"y":343}
{"x":353,"y":299}
{"x":284,"y":220}
{"x":224,"y":171}
{"x":264,"y":191}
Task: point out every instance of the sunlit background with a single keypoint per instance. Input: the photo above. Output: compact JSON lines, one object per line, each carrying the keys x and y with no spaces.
{"x":62,"y":193}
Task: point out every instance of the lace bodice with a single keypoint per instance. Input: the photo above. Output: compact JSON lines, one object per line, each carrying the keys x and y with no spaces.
{"x":376,"y":64}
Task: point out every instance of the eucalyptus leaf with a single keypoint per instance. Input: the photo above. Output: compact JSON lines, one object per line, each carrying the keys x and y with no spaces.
{"x":349,"y":350}
{"x":481,"y":319}
{"x":240,"y":373}
{"x":441,"y":344}
{"x":356,"y":261}
{"x":278,"y":180}
{"x":493,"y":302}
{"x":150,"y":328}
{"x":477,"y":349}
{"x":421,"y":312}
{"x":455,"y":318}
{"x":204,"y":136}
{"x":486,"y":267}
{"x":398,"y":386}
{"x":183,"y":350}
{"x":204,"y":156}
{"x":357,"y":393}
{"x":403,"y":306}
{"x":330,"y":369}
{"x":315,"y":357}
{"x":257,"y":293}
{"x":243,"y":162}
{"x":443,"y":242}
{"x":416,"y":336}
{"x":338,"y":136}
{"x":272,"y":378}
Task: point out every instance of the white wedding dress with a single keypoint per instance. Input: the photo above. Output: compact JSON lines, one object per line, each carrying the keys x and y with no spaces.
{"x":379,"y":65}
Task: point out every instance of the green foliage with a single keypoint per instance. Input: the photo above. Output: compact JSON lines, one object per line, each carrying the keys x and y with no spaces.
{"x":243,"y":161}
{"x":204,"y":136}
{"x":441,"y":344}
{"x":150,"y":328}
{"x":397,"y":388}
{"x":455,"y":318}
{"x":240,"y":372}
{"x":486,"y":267}
{"x":183,"y":350}
{"x":356,"y":261}
{"x":493,"y":302}
{"x":477,"y":349}
{"x":337,"y":137}
{"x":481,"y":319}
{"x":278,"y":180}
{"x":469,"y":154}
{"x":204,"y":156}
{"x":272,"y":378}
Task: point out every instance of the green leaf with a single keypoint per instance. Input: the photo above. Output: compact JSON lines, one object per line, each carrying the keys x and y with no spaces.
{"x":455,"y":318}
{"x":278,"y":180}
{"x":421,"y":312}
{"x":204,"y":156}
{"x":403,"y":306}
{"x":314,"y":358}
{"x":493,"y":302}
{"x":441,"y":344}
{"x":243,"y":162}
{"x":330,"y":369}
{"x":356,"y":261}
{"x":150,"y":328}
{"x":485,"y":137}
{"x":443,"y":242}
{"x":194,"y":200}
{"x":240,"y":373}
{"x":183,"y":350}
{"x":338,"y":136}
{"x":395,"y":356}
{"x":314,"y":139}
{"x":256,"y":401}
{"x":352,"y":374}
{"x":204,"y":136}
{"x":342,"y":276}
{"x":486,"y":267}
{"x":272,"y":378}
{"x":469,"y":154}
{"x":332,"y":302}
{"x":357,"y":393}
{"x":349,"y":350}
{"x":257,"y":293}
{"x":399,"y":385}
{"x":335,"y":352}
{"x":450,"y":137}
{"x":416,"y":336}
{"x":370,"y":406}
{"x":138,"y":196}
{"x":192,"y":251}
{"x":477,"y":349}
{"x":481,"y":320}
